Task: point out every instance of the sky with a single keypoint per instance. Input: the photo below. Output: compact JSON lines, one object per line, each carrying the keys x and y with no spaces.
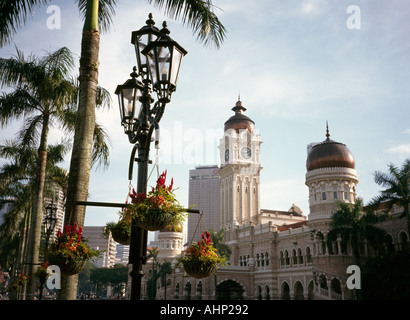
{"x":296,"y":64}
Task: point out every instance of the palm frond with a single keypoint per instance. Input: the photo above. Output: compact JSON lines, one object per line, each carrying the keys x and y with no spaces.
{"x":29,"y":132}
{"x":17,"y":70}
{"x":13,"y":15}
{"x":199,"y":15}
{"x":16,"y":104}
{"x":58,"y":64}
{"x":103,"y":98}
{"x":100,"y":152}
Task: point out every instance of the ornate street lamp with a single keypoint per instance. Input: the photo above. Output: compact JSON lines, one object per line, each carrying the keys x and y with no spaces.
{"x":140,"y":39}
{"x":165,"y":58}
{"x":50,"y":221}
{"x":129,"y":95}
{"x":158,"y":63}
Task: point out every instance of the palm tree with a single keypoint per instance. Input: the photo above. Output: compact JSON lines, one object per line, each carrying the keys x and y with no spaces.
{"x":218,"y":239}
{"x":152,"y":282}
{"x":43,"y":93}
{"x":42,"y":89}
{"x":353,"y":225}
{"x":198,"y":14}
{"x":17,"y":186}
{"x":397,"y":190}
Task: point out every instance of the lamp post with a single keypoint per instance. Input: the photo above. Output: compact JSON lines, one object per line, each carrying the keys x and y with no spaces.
{"x":50,"y":221}
{"x":158,"y":63}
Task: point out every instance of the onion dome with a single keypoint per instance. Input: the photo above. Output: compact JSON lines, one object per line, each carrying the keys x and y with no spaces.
{"x":239,"y":121}
{"x":329,"y":153}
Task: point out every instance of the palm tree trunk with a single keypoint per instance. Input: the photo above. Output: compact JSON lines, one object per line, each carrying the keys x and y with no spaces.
{"x":79,"y":175}
{"x":37,"y":212}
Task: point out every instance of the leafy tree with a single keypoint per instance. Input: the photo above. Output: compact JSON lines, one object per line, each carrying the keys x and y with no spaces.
{"x":397,"y":190}
{"x":218,"y":239}
{"x":353,"y":225}
{"x":165,"y":268}
{"x":152,"y":281}
{"x":116,"y":277}
{"x":43,"y":93}
{"x":17,"y":187}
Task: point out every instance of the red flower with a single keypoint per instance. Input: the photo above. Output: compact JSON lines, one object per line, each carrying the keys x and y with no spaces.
{"x":172,"y":183}
{"x":161,"y":179}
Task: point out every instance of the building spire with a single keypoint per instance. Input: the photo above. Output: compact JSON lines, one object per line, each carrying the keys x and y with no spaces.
{"x":327,"y":131}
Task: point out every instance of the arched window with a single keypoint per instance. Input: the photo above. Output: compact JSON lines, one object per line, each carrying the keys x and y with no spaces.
{"x":294,"y":257}
{"x":335,"y":286}
{"x":262,"y":260}
{"x":287,"y":262}
{"x":300,"y":257}
{"x":308,"y":255}
{"x":298,"y":291}
{"x":323,"y":190}
{"x":240,"y":262}
{"x":266,"y":259}
{"x":403,"y":241}
{"x":335,"y":191}
{"x":258,"y":263}
{"x":282,"y":259}
{"x":346,"y":193}
{"x":323,"y":281}
{"x":259,"y":292}
{"x":285,"y":291}
{"x":267,"y":292}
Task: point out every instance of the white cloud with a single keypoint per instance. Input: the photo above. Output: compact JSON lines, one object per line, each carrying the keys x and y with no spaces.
{"x":400,"y":150}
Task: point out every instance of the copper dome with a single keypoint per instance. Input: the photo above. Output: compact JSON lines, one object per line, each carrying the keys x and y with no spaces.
{"x":239,"y":121}
{"x":329,"y":153}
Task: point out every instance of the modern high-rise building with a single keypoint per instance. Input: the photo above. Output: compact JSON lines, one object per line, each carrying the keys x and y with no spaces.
{"x":122,"y":254}
{"x":56,"y":201}
{"x":204,"y":195}
{"x":96,"y":240}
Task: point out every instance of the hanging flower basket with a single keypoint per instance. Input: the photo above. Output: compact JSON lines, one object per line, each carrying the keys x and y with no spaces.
{"x":70,"y":251}
{"x":199,"y":269}
{"x":68,"y":267}
{"x":121,"y":230}
{"x":154,"y":219}
{"x":18,"y":282}
{"x":201,"y":260}
{"x":41,"y":272}
{"x":121,"y":234}
{"x":157,"y":209}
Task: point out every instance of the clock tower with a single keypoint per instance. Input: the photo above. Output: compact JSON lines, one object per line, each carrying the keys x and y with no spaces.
{"x":240,"y":170}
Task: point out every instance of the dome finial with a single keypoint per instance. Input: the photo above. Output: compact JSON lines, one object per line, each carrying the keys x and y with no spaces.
{"x":327,"y":131}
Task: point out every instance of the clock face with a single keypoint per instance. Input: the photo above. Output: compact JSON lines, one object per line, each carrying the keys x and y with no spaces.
{"x":226,"y":154}
{"x":246,"y":153}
